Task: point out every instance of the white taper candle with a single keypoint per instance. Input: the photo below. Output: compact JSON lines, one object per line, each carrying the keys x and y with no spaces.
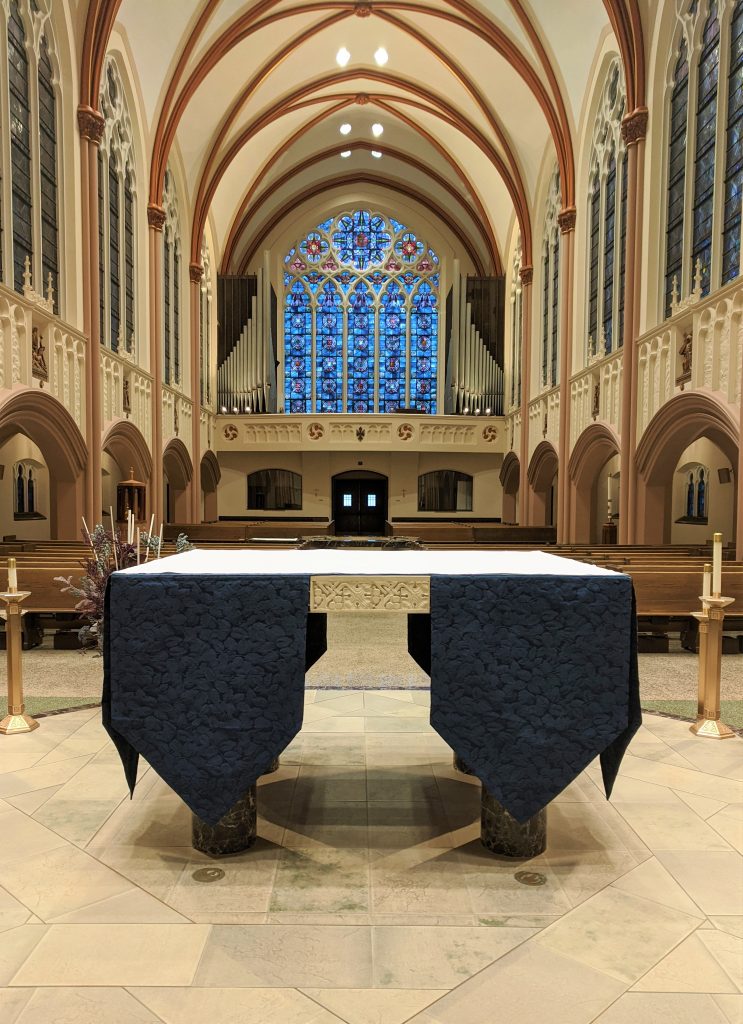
{"x":717,"y":565}
{"x":707,"y":580}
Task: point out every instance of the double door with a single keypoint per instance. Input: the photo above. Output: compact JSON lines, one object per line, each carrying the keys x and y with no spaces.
{"x":359,"y":506}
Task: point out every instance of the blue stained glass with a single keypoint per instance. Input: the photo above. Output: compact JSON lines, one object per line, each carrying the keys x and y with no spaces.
{"x":297,"y":350}
{"x":314,"y":247}
{"x":676,"y":177}
{"x":409,"y":248}
{"x":704,"y":161}
{"x":360,"y":346}
{"x":392,"y":345}
{"x":424,"y":323}
{"x":362,"y":238}
{"x":329,"y":350}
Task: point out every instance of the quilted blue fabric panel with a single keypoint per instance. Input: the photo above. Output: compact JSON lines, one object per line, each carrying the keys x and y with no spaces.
{"x":204,"y":677}
{"x":532,"y":677}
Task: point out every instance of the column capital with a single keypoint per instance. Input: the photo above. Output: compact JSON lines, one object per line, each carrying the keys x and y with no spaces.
{"x":195,"y":272}
{"x":91,"y":124}
{"x":362,"y":10}
{"x":566,"y":219}
{"x":635,"y":126}
{"x":155,"y":216}
{"x":526,"y":274}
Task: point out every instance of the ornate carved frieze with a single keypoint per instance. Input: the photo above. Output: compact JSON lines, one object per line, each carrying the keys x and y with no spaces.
{"x":155,"y":216}
{"x":635,"y":126}
{"x":447,"y":433}
{"x":91,"y":124}
{"x":370,"y":594}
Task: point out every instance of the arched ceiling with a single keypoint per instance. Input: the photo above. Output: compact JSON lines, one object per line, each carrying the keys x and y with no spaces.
{"x":471,"y":96}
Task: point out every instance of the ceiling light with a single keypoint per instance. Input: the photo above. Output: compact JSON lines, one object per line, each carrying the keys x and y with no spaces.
{"x":345,"y":128}
{"x":346,"y":153}
{"x":377,"y":129}
{"x":377,"y":154}
{"x":381,"y":56}
{"x":342,"y":57}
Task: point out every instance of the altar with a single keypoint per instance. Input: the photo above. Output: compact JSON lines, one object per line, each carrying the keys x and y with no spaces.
{"x":532,"y":659}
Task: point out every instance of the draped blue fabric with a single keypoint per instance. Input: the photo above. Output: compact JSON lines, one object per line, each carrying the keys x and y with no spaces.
{"x":532,"y":677}
{"x":204,"y":677}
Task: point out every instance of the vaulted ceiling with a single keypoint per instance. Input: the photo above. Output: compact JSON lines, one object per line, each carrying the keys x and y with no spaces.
{"x":469,"y":98}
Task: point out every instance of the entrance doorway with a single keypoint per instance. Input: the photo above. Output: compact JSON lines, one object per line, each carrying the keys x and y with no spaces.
{"x":359,"y":503}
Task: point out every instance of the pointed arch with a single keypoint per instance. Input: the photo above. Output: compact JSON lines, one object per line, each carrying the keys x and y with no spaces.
{"x":128,"y":447}
{"x":541,"y":474}
{"x":510,"y":478}
{"x":595,"y":446}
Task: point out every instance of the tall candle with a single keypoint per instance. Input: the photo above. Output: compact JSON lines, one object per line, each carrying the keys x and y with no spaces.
{"x":707,"y":585}
{"x":608,"y":487}
{"x":717,"y":565}
{"x":12,"y":577}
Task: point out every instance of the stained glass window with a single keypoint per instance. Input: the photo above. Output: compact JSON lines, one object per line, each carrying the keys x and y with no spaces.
{"x":167,"y":258}
{"x":704,"y":161}
{"x":361,"y":318}
{"x":555,"y":307}
{"x":177,"y":316}
{"x":593,"y":266}
{"x":676,"y":177}
{"x":424,"y":325}
{"x":114,"y":218}
{"x":734,"y":156}
{"x":622,"y":252}
{"x":20,"y":145}
{"x":609,"y":228}
{"x":48,"y":172}
{"x":545,"y":311}
{"x":360,"y":334}
{"x":129,"y":259}
{"x":101,"y":251}
{"x":171,"y":285}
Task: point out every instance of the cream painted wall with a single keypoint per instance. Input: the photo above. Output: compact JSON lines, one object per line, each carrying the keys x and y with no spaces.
{"x":402,"y":469}
{"x":720,"y":497}
{"x":13,"y":451}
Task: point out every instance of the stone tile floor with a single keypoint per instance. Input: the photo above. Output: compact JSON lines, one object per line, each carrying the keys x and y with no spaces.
{"x":368,"y":898}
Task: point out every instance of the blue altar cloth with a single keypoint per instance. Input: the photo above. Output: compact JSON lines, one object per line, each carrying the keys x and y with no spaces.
{"x":532,"y":677}
{"x":204,"y":677}
{"x":533,"y":663}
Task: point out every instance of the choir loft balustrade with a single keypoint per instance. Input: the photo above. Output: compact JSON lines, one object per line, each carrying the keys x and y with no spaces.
{"x":126,"y":392}
{"x":381,"y":432}
{"x":177,"y":414}
{"x":544,"y":420}
{"x":39,"y":350}
{"x":596,"y":396}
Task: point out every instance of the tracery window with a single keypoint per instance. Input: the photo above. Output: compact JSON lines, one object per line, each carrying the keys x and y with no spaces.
{"x":516,"y":326}
{"x":551,"y":285}
{"x":361,"y":318}
{"x":117,"y":248}
{"x":205,"y":325}
{"x":607,"y":215}
{"x":28,"y":91}
{"x":171,"y":285}
{"x":705,"y":175}
{"x":26,"y":490}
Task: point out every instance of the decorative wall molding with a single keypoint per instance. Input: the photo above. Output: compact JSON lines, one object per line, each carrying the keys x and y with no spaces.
{"x":91,"y":124}
{"x":370,"y":594}
{"x":155,"y":217}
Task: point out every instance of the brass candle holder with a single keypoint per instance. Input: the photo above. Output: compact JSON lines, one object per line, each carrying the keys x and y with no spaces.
{"x":710,"y":620}
{"x":16,"y":721}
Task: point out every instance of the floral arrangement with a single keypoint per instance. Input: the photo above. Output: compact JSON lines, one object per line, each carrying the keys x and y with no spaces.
{"x":108,"y":552}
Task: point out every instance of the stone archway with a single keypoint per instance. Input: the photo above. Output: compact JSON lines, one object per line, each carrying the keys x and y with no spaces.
{"x":593,"y":449}
{"x":178,"y":472}
{"x":127,"y":446}
{"x":680,"y":422}
{"x":541,"y":477}
{"x":210,"y":477}
{"x":48,"y":424}
{"x":510,"y":476}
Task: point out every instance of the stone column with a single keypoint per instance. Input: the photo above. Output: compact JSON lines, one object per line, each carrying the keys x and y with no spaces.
{"x":566,"y":220}
{"x":527,"y":275}
{"x":156,"y":221}
{"x":634,"y":130}
{"x":196,"y":272}
{"x":91,"y":125}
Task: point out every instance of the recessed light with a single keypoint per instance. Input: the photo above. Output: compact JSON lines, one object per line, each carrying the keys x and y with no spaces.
{"x":345,"y":128}
{"x":346,"y":153}
{"x":377,"y":130}
{"x":377,"y":154}
{"x":342,"y":57}
{"x":381,"y":56}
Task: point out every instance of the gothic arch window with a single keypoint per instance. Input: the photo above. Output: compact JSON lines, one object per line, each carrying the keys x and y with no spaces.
{"x":361,"y":318}
{"x":607,"y":217}
{"x":516,"y":326}
{"x":705,"y":173}
{"x":205,"y":325}
{"x":551,"y":285}
{"x":117,"y":213}
{"x":171,"y":285}
{"x":695,"y":493}
{"x":31,"y":241}
{"x":26,"y":497}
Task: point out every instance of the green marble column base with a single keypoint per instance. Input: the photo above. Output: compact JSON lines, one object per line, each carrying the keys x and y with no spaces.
{"x":233,"y":833}
{"x":502,"y":834}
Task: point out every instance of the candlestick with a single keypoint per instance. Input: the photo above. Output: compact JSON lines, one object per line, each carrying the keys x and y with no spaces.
{"x":717,"y":565}
{"x":16,"y":721}
{"x":138,"y":539}
{"x":160,"y":542}
{"x":12,"y":577}
{"x":707,"y":584}
{"x":708,"y":724}
{"x":608,"y":488}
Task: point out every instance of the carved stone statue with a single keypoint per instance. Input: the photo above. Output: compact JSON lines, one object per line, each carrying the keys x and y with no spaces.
{"x":126,"y":399}
{"x":686,"y":352}
{"x":39,"y":368}
{"x":596,"y":399}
